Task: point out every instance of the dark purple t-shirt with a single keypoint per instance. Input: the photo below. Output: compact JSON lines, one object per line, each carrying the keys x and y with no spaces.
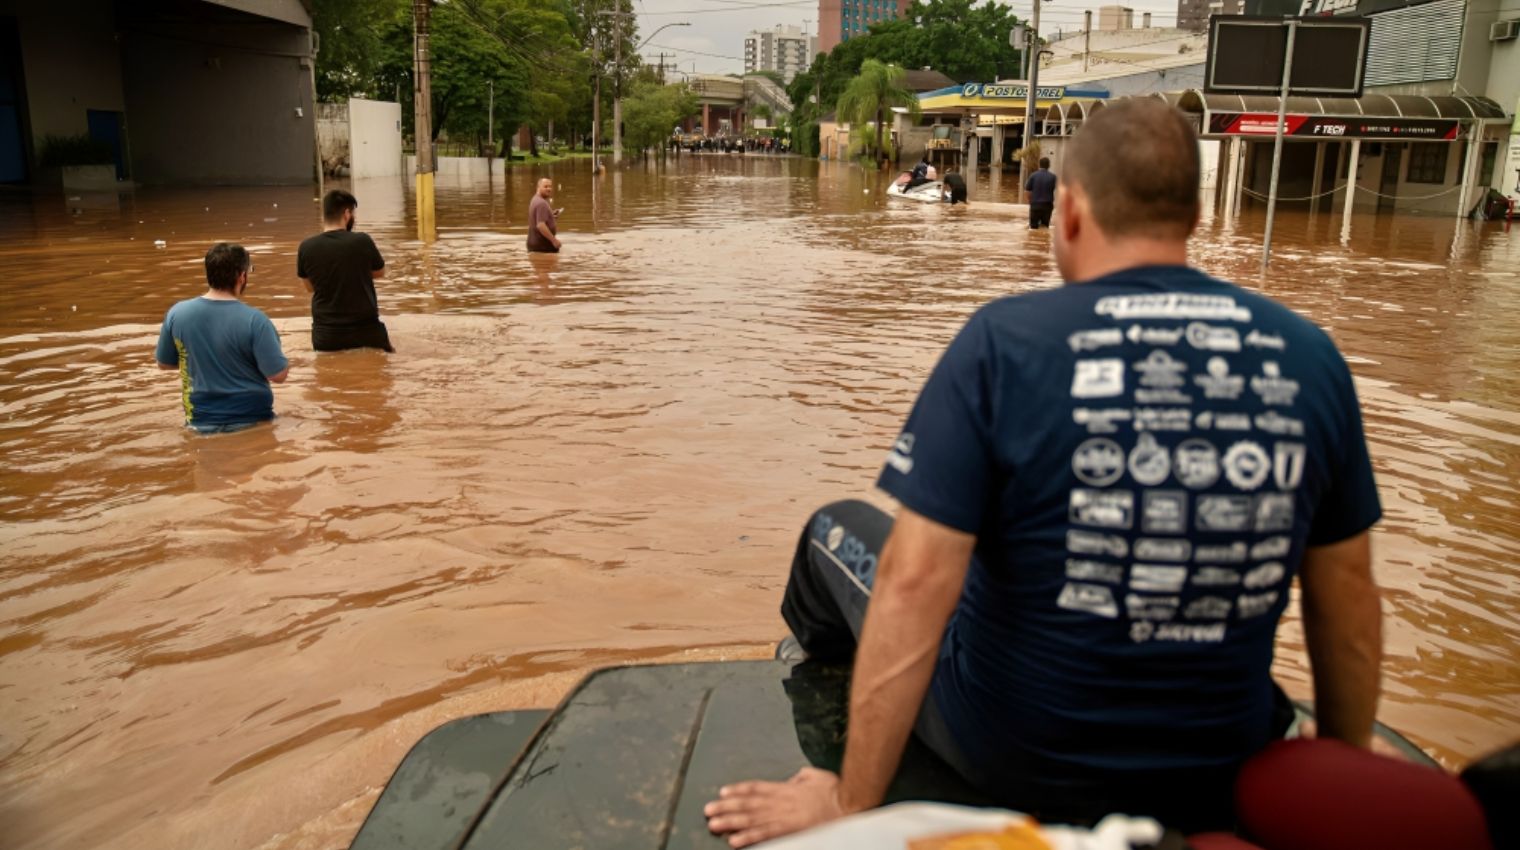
{"x":540,"y":212}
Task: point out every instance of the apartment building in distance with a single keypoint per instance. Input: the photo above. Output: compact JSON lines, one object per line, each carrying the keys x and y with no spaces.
{"x":786,"y":50}
{"x":842,"y":20}
{"x":1194,"y":14}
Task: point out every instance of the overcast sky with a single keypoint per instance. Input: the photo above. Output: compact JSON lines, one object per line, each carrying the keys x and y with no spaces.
{"x":715,"y":39}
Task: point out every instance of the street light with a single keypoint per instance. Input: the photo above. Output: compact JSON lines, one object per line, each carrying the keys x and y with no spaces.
{"x":617,"y":80}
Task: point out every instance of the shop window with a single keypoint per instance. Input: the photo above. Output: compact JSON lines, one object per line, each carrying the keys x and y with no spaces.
{"x":1427,"y":162}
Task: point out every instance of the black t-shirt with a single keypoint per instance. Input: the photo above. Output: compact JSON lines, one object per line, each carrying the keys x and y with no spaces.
{"x":956,"y":183}
{"x":1041,"y":187}
{"x":339,"y":264}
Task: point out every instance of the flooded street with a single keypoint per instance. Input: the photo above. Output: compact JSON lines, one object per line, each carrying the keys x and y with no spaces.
{"x":591,"y":459}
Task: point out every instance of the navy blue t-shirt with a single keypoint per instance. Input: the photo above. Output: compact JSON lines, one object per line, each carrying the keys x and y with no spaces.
{"x":1041,"y":187}
{"x":1143,"y":459}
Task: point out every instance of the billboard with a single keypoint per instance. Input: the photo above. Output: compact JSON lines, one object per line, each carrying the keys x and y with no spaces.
{"x":1246,"y":56}
{"x":1326,"y":127}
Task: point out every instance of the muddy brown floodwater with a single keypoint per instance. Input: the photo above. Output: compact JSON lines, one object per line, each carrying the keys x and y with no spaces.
{"x":229,"y":642}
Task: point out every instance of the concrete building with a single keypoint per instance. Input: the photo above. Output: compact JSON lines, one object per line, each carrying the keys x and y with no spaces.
{"x":1194,"y":14}
{"x":786,"y":50}
{"x":181,"y":91}
{"x":1112,"y":18}
{"x":841,"y":20}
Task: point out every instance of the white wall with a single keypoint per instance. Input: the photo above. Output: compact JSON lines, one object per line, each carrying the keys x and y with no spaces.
{"x":374,"y":132}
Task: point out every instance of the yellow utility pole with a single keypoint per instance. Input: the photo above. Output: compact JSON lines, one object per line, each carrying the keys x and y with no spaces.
{"x":427,"y":225}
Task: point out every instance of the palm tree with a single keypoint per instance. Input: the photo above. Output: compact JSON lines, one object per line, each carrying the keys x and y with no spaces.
{"x":875,"y":90}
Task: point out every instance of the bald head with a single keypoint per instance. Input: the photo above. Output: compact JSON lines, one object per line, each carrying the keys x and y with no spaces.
{"x":545,"y":188}
{"x":1137,"y":163}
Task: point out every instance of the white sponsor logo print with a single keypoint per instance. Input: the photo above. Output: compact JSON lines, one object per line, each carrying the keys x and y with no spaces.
{"x":1092,"y":543}
{"x":1254,"y":606}
{"x":1219,"y":383}
{"x":898,"y":458}
{"x":1098,"y":462}
{"x":1190,"y":633}
{"x":1099,"y":378}
{"x":1224,"y":513}
{"x":1173,"y":305}
{"x":1150,"y":607}
{"x":1212,"y":337}
{"x":1272,"y":547}
{"x":1157,"y":577}
{"x":1272,"y":386}
{"x":1257,"y":339}
{"x":1163,"y":419}
{"x":1223,"y":421}
{"x":1288,"y":465}
{"x":1149,"y":461}
{"x":1164,"y":512}
{"x":1208,"y":608}
{"x":1163,"y":549}
{"x":1215,"y":577}
{"x":1094,"y":571}
{"x":1274,"y":512}
{"x":1246,"y":465}
{"x":1102,"y":508}
{"x":1196,"y":463}
{"x":1233,"y":553}
{"x":1100,"y":421}
{"x":1089,"y":598}
{"x":836,"y":537}
{"x":1095,"y":339}
{"x":1160,"y":369}
{"x":1153,"y":336}
{"x":1265,"y":575}
{"x":1275,"y":423}
{"x":1166,"y":396}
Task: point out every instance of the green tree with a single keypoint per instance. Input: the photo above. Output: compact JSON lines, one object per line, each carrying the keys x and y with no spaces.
{"x":961,"y":41}
{"x":650,"y":110}
{"x":872,"y":95}
{"x":350,"y":35}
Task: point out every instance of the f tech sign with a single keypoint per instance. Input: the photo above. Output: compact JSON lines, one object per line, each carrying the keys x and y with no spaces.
{"x":1319,"y":126}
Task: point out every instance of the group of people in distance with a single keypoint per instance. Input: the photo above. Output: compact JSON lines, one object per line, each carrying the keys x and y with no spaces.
{"x":228,"y":354}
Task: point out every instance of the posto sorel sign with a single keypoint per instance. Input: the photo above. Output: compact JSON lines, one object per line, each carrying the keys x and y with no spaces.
{"x":1012,"y":92}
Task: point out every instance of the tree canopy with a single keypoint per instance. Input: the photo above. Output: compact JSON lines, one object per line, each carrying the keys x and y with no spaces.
{"x":869,"y":99}
{"x":537,"y":60}
{"x":962,"y":41}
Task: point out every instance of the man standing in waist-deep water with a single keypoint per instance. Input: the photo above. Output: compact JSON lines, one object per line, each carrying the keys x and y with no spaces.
{"x":339,"y":268}
{"x":1041,"y":187}
{"x":543,"y":230}
{"x":226,"y":352}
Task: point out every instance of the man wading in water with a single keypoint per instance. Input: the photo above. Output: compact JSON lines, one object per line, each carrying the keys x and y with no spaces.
{"x":542,"y":227}
{"x":227,"y":353}
{"x":339,"y":268}
{"x":1106,"y":491}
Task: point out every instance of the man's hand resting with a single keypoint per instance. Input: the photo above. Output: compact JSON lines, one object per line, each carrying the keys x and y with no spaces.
{"x":751,"y":812}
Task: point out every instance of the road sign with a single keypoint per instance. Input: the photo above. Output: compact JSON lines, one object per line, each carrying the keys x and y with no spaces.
{"x":1247,"y":54}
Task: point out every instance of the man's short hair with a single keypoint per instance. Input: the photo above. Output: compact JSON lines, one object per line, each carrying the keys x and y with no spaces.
{"x":1044,"y":162}
{"x":224,"y":262}
{"x":1137,"y":161}
{"x":335,"y":203}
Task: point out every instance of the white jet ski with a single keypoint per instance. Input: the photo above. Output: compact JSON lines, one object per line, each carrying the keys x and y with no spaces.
{"x":931,"y":192}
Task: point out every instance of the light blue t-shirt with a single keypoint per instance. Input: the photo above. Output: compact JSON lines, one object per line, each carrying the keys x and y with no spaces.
{"x":225,"y":351}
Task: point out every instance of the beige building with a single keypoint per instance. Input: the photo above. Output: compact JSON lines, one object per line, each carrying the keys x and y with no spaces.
{"x":786,"y":50}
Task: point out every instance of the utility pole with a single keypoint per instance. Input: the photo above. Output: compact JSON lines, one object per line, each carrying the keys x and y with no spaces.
{"x":1032,"y":59}
{"x":617,"y":89}
{"x":596,"y":100}
{"x":423,"y":112}
{"x":1086,"y":37}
